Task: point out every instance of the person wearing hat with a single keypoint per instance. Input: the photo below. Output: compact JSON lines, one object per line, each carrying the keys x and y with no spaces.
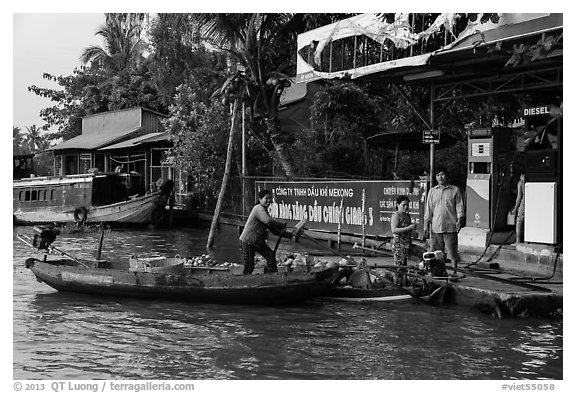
{"x":253,"y":237}
{"x":444,"y":216}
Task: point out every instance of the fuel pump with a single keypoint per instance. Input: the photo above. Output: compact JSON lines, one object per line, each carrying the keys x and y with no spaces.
{"x":488,"y":188}
{"x":543,"y":187}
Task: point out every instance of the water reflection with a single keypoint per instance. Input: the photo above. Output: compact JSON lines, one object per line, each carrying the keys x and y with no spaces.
{"x":71,"y":336}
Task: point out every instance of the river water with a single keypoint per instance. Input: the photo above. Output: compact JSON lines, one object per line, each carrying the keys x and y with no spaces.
{"x":72,"y":336}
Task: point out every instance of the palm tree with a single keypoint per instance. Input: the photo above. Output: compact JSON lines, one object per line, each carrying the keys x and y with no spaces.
{"x":256,"y":79}
{"x":35,"y":141}
{"x":123,"y":43}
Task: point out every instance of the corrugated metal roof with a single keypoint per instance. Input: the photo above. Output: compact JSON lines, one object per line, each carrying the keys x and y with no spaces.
{"x":133,"y":142}
{"x":162,"y":136}
{"x":95,"y":140}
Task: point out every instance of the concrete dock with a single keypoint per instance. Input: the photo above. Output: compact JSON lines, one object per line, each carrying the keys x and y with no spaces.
{"x":499,"y":293}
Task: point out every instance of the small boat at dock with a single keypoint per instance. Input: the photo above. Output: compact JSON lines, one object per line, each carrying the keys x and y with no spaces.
{"x":182,"y":284}
{"x":172,"y":278}
{"x":362,"y":295}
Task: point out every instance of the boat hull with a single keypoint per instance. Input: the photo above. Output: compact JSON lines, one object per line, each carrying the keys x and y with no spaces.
{"x":187,"y":285}
{"x":134,"y":211}
{"x":361,"y":295}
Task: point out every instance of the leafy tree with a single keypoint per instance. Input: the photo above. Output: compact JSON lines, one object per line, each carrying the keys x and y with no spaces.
{"x":18,"y":138}
{"x":177,"y":55}
{"x":78,"y":95}
{"x":342,"y":117}
{"x":257,"y":45}
{"x":135,"y":88}
{"x":199,"y":132}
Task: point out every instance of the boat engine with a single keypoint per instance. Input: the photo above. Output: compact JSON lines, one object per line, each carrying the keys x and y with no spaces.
{"x":434,"y":262}
{"x":44,"y":236}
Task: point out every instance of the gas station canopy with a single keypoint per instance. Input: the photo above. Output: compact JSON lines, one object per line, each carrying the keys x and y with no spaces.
{"x":405,"y":140}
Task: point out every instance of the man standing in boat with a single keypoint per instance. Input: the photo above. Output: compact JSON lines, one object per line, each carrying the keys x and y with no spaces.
{"x":253,"y":237}
{"x":444,"y":215}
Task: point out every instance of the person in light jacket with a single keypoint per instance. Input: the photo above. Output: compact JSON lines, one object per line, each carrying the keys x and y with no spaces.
{"x":444,"y":215}
{"x":253,"y":237}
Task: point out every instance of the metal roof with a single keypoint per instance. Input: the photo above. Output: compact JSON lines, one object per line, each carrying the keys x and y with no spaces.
{"x":95,"y":140}
{"x":135,"y":141}
{"x":162,"y":136}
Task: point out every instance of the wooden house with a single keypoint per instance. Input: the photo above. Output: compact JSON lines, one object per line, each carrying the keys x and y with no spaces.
{"x":127,"y":140}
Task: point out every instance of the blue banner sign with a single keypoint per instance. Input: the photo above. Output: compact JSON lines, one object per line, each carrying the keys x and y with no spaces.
{"x":354,"y":207}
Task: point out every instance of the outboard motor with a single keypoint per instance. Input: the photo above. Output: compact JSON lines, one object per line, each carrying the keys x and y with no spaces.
{"x":434,"y":262}
{"x":44,"y":236}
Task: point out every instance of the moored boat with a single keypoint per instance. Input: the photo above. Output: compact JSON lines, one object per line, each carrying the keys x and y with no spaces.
{"x":184,"y":279}
{"x":363,"y":295}
{"x":89,"y":198}
{"x":362,"y":284}
{"x":180,"y":283}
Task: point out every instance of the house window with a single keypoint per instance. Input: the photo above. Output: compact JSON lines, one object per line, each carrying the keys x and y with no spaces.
{"x":27,"y":196}
{"x":34,"y":195}
{"x":85,"y":162}
{"x":58,"y":166}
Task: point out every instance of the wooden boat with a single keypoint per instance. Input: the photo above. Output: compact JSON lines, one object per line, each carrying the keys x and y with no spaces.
{"x":88,"y":198}
{"x":384,"y":286}
{"x":160,"y":277}
{"x":174,"y":281}
{"x":363,"y":295}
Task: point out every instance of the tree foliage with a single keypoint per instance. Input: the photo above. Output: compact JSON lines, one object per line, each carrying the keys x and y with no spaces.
{"x":342,"y":116}
{"x":177,"y":55}
{"x":124,"y":46}
{"x":258,"y":46}
{"x":198,"y":130}
{"x":18,"y":141}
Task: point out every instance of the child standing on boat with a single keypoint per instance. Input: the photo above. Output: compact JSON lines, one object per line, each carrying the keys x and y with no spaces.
{"x":253,"y":237}
{"x":402,"y":228}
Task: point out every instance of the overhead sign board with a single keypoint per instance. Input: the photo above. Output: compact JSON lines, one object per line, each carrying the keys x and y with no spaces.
{"x":537,"y":111}
{"x":431,"y":136}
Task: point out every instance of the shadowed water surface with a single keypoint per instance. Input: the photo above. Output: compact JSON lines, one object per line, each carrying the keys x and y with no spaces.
{"x":72,"y":336}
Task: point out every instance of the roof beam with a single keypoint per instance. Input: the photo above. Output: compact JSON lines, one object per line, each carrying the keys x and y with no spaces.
{"x":509,"y":83}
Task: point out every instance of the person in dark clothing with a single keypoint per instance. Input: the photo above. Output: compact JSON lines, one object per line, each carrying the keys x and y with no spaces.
{"x":519,"y":209}
{"x":253,"y":237}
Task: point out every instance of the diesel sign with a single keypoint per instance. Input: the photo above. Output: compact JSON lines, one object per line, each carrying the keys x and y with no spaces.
{"x":537,"y":111}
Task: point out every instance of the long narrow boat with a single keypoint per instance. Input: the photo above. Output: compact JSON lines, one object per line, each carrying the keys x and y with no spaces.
{"x":364,"y":295}
{"x":179,"y":283}
{"x":161,"y":277}
{"x":89,"y":198}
